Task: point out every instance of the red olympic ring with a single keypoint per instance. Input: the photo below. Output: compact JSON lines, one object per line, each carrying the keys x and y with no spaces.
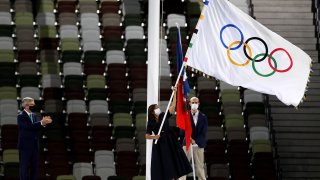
{"x":275,"y":69}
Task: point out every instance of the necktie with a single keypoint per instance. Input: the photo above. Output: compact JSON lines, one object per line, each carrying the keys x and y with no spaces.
{"x":31,"y":118}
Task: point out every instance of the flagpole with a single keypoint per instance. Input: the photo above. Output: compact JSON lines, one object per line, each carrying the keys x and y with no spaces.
{"x":192,"y":161}
{"x":167,"y":109}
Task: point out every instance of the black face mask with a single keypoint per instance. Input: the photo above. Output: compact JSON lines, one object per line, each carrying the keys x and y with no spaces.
{"x":32,"y":108}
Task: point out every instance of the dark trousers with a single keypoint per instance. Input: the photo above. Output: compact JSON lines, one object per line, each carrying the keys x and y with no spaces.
{"x":28,"y":164}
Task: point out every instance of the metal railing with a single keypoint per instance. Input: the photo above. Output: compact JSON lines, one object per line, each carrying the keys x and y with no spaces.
{"x":316,"y":12}
{"x":251,"y":8}
{"x":272,"y":137}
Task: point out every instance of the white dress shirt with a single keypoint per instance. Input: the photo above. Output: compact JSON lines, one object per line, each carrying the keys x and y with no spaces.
{"x":195,"y":117}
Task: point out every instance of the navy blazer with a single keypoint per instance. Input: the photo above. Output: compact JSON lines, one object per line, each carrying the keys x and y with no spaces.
{"x":199,"y":131}
{"x":28,"y":131}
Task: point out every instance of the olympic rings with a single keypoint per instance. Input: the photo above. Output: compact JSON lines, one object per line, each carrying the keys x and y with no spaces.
{"x":232,"y":61}
{"x":249,"y":56}
{"x":234,"y":26}
{"x":275,"y":68}
{"x":254,"y":67}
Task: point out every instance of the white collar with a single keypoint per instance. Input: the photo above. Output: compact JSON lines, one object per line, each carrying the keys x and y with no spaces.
{"x":195,"y":114}
{"x":27,"y":112}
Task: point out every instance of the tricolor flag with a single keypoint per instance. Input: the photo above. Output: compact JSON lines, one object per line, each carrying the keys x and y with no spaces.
{"x":183,"y":116}
{"x":233,"y":47}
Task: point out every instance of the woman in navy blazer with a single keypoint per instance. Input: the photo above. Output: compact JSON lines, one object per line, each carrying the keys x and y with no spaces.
{"x":199,"y":123}
{"x":28,"y":142}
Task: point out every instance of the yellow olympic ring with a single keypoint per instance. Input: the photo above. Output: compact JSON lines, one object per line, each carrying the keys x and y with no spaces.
{"x":232,"y":61}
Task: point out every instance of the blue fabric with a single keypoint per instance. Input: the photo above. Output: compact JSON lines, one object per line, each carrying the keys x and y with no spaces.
{"x":186,"y":87}
{"x":199,"y":131}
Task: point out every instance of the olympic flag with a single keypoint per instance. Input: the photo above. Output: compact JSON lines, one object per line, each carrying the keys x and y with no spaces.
{"x":233,"y":47}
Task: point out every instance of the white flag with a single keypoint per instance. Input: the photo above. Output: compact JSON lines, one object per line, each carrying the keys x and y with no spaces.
{"x":233,"y":47}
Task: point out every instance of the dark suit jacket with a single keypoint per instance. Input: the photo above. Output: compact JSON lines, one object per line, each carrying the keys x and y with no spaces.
{"x":199,"y":131}
{"x":28,"y":131}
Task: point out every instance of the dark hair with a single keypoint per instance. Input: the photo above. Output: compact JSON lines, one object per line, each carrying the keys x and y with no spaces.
{"x":151,"y":114}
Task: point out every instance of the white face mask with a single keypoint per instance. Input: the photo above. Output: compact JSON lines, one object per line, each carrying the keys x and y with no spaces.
{"x":157,"y":111}
{"x":194,"y":106}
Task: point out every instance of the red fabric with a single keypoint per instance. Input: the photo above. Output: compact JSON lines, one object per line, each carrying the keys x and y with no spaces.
{"x":183,"y":116}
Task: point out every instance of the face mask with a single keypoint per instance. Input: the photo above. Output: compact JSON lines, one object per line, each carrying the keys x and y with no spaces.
{"x":194,"y":106}
{"x":32,"y":108}
{"x":157,"y":111}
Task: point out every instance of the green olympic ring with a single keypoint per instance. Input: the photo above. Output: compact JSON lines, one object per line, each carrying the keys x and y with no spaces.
{"x":256,"y":71}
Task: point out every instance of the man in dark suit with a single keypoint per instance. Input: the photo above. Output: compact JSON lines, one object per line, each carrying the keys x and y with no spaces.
{"x":28,"y":143}
{"x":199,"y":123}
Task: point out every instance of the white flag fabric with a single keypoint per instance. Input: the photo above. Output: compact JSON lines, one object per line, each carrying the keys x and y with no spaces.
{"x":233,"y":47}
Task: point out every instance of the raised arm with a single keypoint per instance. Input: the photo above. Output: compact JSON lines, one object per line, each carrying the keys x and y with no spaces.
{"x":172,"y":107}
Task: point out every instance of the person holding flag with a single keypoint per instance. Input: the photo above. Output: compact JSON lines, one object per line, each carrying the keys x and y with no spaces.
{"x":199,"y":123}
{"x":168,"y":160}
{"x":193,"y":125}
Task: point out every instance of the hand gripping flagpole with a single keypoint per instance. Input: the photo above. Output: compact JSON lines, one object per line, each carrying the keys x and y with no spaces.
{"x":167,"y":109}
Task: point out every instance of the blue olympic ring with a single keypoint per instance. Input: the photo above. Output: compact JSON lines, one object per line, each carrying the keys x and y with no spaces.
{"x":234,"y":26}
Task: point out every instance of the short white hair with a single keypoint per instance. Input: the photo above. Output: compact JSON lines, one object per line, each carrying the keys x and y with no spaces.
{"x":26,"y":100}
{"x":194,"y":98}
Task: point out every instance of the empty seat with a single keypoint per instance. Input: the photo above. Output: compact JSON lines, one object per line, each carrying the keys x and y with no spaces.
{"x":111,"y":19}
{"x":131,"y":7}
{"x":259,"y":133}
{"x":24,"y":18}
{"x":87,"y":7}
{"x":125,"y":144}
{"x":134,"y":32}
{"x":205,"y":83}
{"x":173,"y":19}
{"x":67,"y":18}
{"x":82,"y":169}
{"x":7,"y":92}
{"x":68,"y":31}
{"x":89,"y":21}
{"x":66,"y":177}
{"x":115,"y":56}
{"x":98,"y":107}
{"x":72,"y":68}
{"x":96,"y":81}
{"x":50,"y":67}
{"x":98,"y":119}
{"x":51,"y":80}
{"x":105,"y":171}
{"x":251,"y":96}
{"x":10,"y":131}
{"x":33,"y":92}
{"x":6,"y":43}
{"x":139,"y":94}
{"x":122,"y":119}
{"x":28,"y":68}
{"x":219,"y":171}
{"x":76,"y":106}
{"x":53,"y":106}
{"x":46,"y":18}
{"x":92,"y":46}
{"x":103,"y":157}
{"x":7,"y":56}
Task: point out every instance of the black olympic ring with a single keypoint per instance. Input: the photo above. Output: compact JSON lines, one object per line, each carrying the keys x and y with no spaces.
{"x":265,"y":46}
